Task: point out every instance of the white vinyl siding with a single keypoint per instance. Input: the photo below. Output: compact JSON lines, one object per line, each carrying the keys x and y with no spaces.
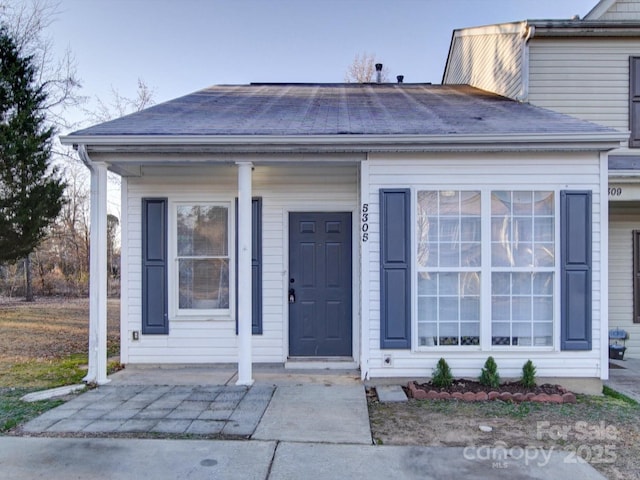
{"x":282,"y":188}
{"x":623,"y":219}
{"x":449,"y":171}
{"x":490,"y":61}
{"x":584,"y":77}
{"x":622,"y":10}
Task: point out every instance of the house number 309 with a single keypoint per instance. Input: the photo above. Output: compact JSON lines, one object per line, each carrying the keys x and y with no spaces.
{"x":365,"y":222}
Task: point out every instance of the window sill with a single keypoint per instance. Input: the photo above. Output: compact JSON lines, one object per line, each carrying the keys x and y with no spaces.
{"x":224,"y":315}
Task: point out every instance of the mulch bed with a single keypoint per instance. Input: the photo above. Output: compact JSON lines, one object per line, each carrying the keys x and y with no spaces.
{"x":471,"y":390}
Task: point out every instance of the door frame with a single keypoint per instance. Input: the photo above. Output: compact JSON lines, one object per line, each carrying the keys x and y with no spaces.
{"x":313,"y":207}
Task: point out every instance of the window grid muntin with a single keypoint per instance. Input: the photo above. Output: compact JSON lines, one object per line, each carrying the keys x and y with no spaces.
{"x":221,"y":304}
{"x":460,"y":229}
{"x":535,"y":326}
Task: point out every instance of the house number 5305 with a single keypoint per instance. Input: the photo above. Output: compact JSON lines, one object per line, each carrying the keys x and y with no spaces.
{"x":365,"y":222}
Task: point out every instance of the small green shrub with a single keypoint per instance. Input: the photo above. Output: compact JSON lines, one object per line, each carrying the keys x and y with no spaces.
{"x":528,"y":378}
{"x":489,"y":375}
{"x":442,"y":376}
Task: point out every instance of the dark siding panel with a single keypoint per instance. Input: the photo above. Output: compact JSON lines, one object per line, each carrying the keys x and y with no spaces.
{"x":575,"y":241}
{"x":155,"y":318}
{"x":634,"y":101}
{"x":395,"y":269}
{"x":636,"y":276}
{"x":256,"y":266}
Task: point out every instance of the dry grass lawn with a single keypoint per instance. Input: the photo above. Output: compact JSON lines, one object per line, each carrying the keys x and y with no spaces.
{"x":45,"y":331}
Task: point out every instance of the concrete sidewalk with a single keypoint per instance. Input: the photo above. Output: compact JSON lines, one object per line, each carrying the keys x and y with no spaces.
{"x":626,"y":378}
{"x":115,"y":459}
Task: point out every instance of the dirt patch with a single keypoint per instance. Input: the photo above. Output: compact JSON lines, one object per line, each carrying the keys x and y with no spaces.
{"x":601,"y":430}
{"x":463,"y":385}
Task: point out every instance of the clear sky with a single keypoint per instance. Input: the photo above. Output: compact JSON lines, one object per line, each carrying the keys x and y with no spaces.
{"x":180,"y":46}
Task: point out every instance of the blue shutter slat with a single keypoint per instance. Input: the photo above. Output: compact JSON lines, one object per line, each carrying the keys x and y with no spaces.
{"x":395,"y":269}
{"x":155,"y":318}
{"x":256,"y":266}
{"x":575,"y":257}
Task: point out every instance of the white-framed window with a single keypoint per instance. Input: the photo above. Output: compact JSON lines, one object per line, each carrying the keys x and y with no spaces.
{"x":202,"y":245}
{"x":504,"y":239}
{"x":523,"y":246}
{"x":449,"y":262}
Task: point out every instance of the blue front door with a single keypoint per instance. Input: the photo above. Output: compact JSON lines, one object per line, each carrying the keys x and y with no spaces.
{"x":320,"y":292}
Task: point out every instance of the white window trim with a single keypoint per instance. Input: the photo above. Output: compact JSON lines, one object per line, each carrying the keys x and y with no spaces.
{"x":485,"y":271}
{"x":175,"y":312}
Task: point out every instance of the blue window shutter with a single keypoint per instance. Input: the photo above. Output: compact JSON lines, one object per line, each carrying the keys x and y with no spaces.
{"x":575,"y":258}
{"x":395,"y":268}
{"x":155,"y":318}
{"x":256,"y":265}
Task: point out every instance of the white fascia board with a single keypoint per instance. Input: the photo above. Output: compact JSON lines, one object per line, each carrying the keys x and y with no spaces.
{"x":260,"y":144}
{"x":495,"y":29}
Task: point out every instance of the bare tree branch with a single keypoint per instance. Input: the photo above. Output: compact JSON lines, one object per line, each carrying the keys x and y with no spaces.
{"x":363,"y":69}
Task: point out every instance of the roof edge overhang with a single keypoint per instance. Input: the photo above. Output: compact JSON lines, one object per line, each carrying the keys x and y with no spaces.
{"x":555,"y":28}
{"x":587,"y":141}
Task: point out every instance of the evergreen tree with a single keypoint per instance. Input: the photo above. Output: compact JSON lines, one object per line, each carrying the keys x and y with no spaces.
{"x":31,"y":191}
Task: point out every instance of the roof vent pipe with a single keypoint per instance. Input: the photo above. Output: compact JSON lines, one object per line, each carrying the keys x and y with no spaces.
{"x":378,"y":73}
{"x":400,"y":78}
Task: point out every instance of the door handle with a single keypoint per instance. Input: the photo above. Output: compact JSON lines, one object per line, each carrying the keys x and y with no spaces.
{"x":292,"y":295}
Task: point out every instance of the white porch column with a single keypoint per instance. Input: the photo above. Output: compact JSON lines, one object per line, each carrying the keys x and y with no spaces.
{"x":97,"y":371}
{"x":244,"y":274}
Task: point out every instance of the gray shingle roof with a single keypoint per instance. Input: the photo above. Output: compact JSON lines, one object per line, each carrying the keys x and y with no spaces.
{"x":335,"y":109}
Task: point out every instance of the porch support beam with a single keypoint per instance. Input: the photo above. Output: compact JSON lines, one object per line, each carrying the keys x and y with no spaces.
{"x":97,"y":369}
{"x":244,"y":274}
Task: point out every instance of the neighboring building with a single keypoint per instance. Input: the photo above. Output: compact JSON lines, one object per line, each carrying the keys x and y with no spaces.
{"x":377,"y":226}
{"x":589,"y":69}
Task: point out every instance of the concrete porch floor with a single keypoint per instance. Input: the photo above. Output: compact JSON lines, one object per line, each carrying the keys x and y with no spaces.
{"x":227,"y":374}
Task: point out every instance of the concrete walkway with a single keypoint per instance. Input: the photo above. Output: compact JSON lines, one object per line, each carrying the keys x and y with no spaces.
{"x":115,"y":459}
{"x":625,"y":379}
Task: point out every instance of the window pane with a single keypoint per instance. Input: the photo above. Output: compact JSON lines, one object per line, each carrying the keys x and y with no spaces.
{"x":501,"y":283}
{"x":470,"y":203}
{"x":470,"y":229}
{"x":469,"y":284}
{"x":449,"y":202}
{"x":521,"y":308}
{"x":522,"y":229}
{"x":544,"y":204}
{"x":448,"y":308}
{"x":203,"y":284}
{"x":501,"y":255}
{"x":427,"y":309}
{"x":500,"y":308}
{"x":543,"y":283}
{"x":427,"y":333}
{"x":542,"y":308}
{"x":500,"y":203}
{"x":427,"y":203}
{"x":523,"y":255}
{"x":448,"y":283}
{"x":449,"y":229}
{"x":202,"y":230}
{"x":470,"y":255}
{"x":449,"y":254}
{"x":544,"y":254}
{"x":542,"y":334}
{"x":470,"y":308}
{"x":522,"y":203}
{"x":521,"y":283}
{"x":521,"y":334}
{"x":428,"y":254}
{"x":427,"y":284}
{"x":543,"y":230}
